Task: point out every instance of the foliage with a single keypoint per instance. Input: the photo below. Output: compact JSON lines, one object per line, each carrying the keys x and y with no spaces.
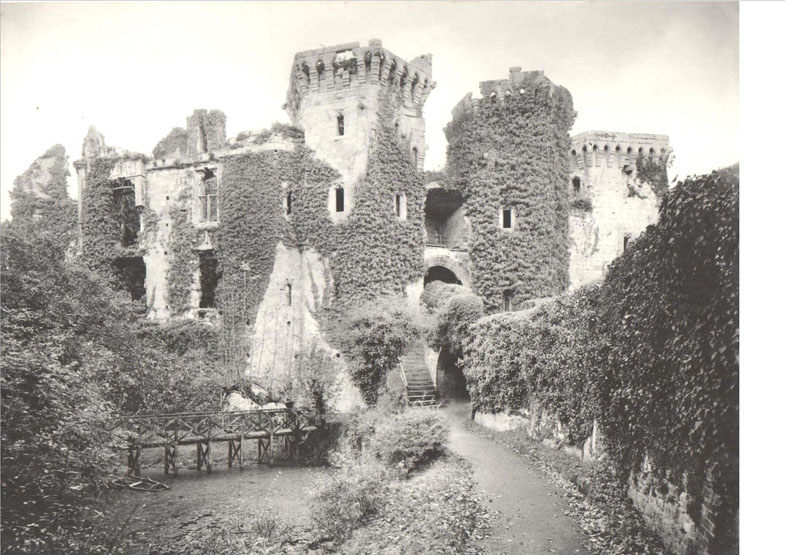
{"x":177,"y":139}
{"x":651,"y":353}
{"x":375,"y":251}
{"x":453,"y":318}
{"x":582,"y":204}
{"x":437,"y":293}
{"x":408,"y":440}
{"x":653,"y":171}
{"x":316,"y":379}
{"x":100,"y":222}
{"x":349,"y":497}
{"x":373,"y":338}
{"x":514,"y":154}
{"x":182,"y":258}
{"x":251,"y":199}
{"x":438,"y":510}
{"x":76,"y":353}
{"x":43,"y":202}
{"x":62,"y":329}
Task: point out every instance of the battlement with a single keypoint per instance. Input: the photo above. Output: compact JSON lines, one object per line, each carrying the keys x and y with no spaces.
{"x":350,"y":66}
{"x":603,"y":148}
{"x":519,"y":83}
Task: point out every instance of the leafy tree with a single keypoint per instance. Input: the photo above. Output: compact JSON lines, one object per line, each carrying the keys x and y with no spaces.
{"x":373,"y":336}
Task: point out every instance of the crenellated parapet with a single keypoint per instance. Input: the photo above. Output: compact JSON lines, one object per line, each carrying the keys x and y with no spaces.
{"x":349,"y":66}
{"x":526,"y":85}
{"x":594,"y":149}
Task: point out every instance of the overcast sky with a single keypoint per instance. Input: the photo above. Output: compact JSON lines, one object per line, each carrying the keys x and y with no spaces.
{"x":135,"y":70}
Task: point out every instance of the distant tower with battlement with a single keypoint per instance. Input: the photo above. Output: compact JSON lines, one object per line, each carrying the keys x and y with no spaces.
{"x":338,"y":96}
{"x":616,"y":183}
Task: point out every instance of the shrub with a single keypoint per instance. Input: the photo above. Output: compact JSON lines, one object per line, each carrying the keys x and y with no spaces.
{"x":436,"y":293}
{"x":316,"y":379}
{"x":409,"y":440}
{"x":373,"y":337}
{"x":348,"y":498}
{"x":453,"y":321}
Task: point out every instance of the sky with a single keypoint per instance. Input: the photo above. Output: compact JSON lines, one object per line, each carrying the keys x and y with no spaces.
{"x":135,"y":70}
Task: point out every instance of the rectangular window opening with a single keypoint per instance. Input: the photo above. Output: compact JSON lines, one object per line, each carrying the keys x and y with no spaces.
{"x":507,"y":295}
{"x":209,"y":200}
{"x":208,"y":278}
{"x":340,"y":125}
{"x":398,"y":205}
{"x":289,"y":203}
{"x":507,"y":218}
{"x":339,"y":199}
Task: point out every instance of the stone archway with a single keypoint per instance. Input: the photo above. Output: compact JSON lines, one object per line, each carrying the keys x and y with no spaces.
{"x":440,"y":263}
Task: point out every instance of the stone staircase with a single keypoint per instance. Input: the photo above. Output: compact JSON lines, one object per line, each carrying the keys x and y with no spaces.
{"x":420,"y":390}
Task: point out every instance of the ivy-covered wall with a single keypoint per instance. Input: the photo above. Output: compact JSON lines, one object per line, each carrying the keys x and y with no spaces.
{"x":651,"y":353}
{"x":100,"y":221}
{"x":40,"y":196}
{"x":511,"y":151}
{"x":377,"y":252}
{"x":182,"y":257}
{"x":177,"y":139}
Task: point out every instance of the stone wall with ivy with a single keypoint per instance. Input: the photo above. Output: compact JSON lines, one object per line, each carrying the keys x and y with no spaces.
{"x":100,"y":220}
{"x":511,"y":151}
{"x":651,"y":353}
{"x":377,"y":252}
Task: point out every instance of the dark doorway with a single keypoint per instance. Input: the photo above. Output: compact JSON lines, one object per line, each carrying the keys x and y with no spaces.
{"x":131,"y":273}
{"x":440,"y":273}
{"x":449,"y":377}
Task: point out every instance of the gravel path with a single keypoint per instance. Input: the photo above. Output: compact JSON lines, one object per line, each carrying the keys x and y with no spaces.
{"x":531,"y":514}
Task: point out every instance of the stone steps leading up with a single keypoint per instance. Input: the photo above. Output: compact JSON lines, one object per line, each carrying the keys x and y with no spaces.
{"x":420,"y":390}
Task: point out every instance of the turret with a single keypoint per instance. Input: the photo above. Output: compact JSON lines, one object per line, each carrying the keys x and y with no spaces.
{"x":339,"y":95}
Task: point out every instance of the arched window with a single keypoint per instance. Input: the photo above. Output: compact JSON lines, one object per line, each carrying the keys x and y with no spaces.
{"x":576,"y":184}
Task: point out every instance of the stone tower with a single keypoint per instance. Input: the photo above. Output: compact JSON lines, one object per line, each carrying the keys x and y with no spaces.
{"x":339,"y":95}
{"x":616,"y":183}
{"x":508,"y":156}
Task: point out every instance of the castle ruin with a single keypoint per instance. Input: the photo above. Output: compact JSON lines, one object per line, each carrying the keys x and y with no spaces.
{"x":335,"y":207}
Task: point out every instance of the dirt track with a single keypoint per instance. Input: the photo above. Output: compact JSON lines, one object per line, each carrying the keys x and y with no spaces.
{"x":531,"y":518}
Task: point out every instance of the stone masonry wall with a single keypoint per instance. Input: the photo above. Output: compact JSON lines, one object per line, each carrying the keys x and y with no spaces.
{"x":612,"y":204}
{"x":345,"y":81}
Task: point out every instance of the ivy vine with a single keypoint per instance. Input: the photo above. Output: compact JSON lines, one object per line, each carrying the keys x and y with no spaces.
{"x":514,"y":154}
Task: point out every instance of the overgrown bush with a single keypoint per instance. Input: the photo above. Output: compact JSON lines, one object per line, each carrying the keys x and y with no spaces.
{"x":409,"y":440}
{"x":316,"y":379}
{"x":453,"y":321}
{"x":348,"y":498}
{"x":373,"y":337}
